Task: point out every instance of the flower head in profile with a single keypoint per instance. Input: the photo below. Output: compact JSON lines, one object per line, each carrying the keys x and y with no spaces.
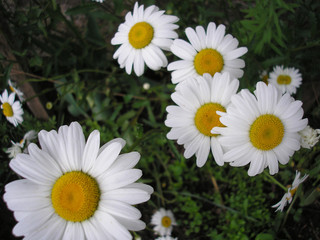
{"x":14,"y":89}
{"x":264,"y":76}
{"x":163,"y":221}
{"x":11,"y":109}
{"x":208,"y":52}
{"x":309,"y":137}
{"x":142,"y":37}
{"x":287,"y":197}
{"x":285,"y":79}
{"x":194,"y":117}
{"x":261,"y":129}
{"x":17,"y":147}
{"x":75,"y":189}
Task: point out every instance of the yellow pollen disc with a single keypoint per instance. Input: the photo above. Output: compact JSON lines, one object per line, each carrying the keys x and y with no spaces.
{"x":75,"y":196}
{"x":206,"y":118}
{"x":284,"y":79}
{"x":208,"y":61}
{"x":7,"y":109}
{"x":12,"y":89}
{"x":266,"y":132}
{"x":166,"y":221}
{"x":140,"y":35}
{"x":265,"y":79}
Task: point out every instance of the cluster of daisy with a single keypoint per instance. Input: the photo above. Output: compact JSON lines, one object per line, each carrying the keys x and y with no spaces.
{"x":12,"y":109}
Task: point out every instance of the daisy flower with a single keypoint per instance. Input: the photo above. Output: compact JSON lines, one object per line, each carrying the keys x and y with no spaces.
{"x":287,"y":197}
{"x":194,"y":117}
{"x":14,"y":89}
{"x":285,"y":79}
{"x":11,"y":109}
{"x":163,"y":221}
{"x":261,"y":129}
{"x":166,"y":238}
{"x":73,"y":189}
{"x":142,"y":36}
{"x":14,"y":149}
{"x":309,"y":137}
{"x":209,"y":52}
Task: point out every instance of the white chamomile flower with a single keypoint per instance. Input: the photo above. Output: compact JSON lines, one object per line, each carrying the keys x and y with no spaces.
{"x":166,"y":238}
{"x":309,"y":137}
{"x":24,"y":142}
{"x":73,"y":189}
{"x":285,"y":79}
{"x":261,"y":129}
{"x":287,"y":197}
{"x":163,"y":221}
{"x":14,"y":149}
{"x":142,"y":36}
{"x":194,"y":117}
{"x":14,"y":89}
{"x":11,"y":109}
{"x":209,"y":52}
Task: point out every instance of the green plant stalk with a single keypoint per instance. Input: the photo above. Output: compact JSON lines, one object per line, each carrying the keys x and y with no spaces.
{"x":272,"y":179}
{"x":288,"y":211}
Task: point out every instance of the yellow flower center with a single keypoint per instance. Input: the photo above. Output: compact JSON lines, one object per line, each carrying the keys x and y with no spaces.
{"x":7,"y":109}
{"x":75,"y":196}
{"x":140,"y":35}
{"x":284,"y":79}
{"x":166,"y":221}
{"x":206,"y":118}
{"x":292,"y":192}
{"x":208,"y":61}
{"x":265,"y":79}
{"x":266,"y":132}
{"x":12,"y":89}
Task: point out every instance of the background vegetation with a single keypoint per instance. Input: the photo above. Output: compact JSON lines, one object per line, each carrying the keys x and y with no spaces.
{"x":63,"y":50}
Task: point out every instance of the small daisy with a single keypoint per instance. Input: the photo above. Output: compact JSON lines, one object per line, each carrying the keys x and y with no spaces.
{"x":194,"y":117}
{"x":166,"y":238}
{"x":74,"y":189}
{"x":11,"y":109}
{"x":142,"y":36}
{"x":285,"y":79}
{"x":209,"y":52}
{"x":14,"y":149}
{"x":163,"y":221}
{"x":309,"y":137}
{"x":287,"y":198}
{"x":14,"y":89}
{"x":261,"y":129}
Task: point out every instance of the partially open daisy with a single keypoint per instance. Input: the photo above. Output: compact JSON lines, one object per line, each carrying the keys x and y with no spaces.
{"x":11,"y":109}
{"x":209,"y":52}
{"x":17,"y":147}
{"x":74,"y":189}
{"x":264,"y":76}
{"x":142,"y":36}
{"x":285,"y":79}
{"x":14,"y":149}
{"x":163,"y":221}
{"x":194,"y":117}
{"x":14,"y":89}
{"x":261,"y":129}
{"x":309,"y":137}
{"x":287,"y":197}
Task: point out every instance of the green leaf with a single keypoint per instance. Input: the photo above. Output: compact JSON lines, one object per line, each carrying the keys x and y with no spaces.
{"x":264,"y":236}
{"x":81,"y":9}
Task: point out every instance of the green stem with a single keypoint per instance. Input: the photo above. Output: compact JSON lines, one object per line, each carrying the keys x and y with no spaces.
{"x":288,"y":211}
{"x":272,"y":179}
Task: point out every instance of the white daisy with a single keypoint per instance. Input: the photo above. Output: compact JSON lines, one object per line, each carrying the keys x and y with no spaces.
{"x":11,"y":109}
{"x":285,"y":79}
{"x":163,"y":221}
{"x":209,"y":52}
{"x":74,"y":189}
{"x":194,"y":117}
{"x":14,"y":89}
{"x":24,"y":142}
{"x":142,"y":36}
{"x":309,"y":137}
{"x":261,"y":129}
{"x":287,"y":198}
{"x":166,"y":238}
{"x":14,"y":149}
